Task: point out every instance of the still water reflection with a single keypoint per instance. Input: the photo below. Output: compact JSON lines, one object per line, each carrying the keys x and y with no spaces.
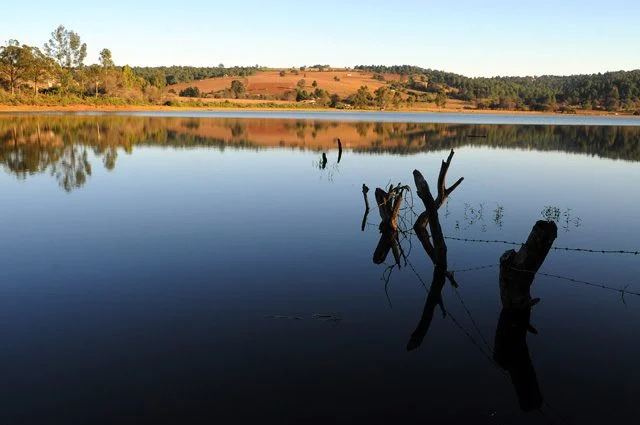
{"x":60,"y":144}
{"x":199,"y":270}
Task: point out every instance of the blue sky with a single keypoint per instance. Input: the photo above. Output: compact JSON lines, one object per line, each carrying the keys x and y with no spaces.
{"x":475,"y":38}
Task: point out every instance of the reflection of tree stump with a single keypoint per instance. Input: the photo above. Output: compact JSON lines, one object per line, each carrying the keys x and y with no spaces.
{"x":518,"y":269}
{"x":511,"y":353}
{"x":437,"y":250}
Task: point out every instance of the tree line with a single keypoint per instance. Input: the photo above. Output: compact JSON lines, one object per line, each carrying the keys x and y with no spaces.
{"x":186,"y":74}
{"x":611,"y":91}
{"x":58,"y":71}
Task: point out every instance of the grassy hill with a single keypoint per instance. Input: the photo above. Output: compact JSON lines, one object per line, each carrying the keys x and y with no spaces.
{"x":271,"y":85}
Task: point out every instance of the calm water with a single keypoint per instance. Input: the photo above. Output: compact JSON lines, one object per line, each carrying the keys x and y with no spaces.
{"x":208,"y":269}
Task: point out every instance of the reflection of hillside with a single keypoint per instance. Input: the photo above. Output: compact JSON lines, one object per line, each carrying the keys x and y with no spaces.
{"x":608,"y":142}
{"x":39,"y":143}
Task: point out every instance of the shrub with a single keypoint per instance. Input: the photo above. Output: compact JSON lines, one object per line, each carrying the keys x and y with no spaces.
{"x":190,"y":92}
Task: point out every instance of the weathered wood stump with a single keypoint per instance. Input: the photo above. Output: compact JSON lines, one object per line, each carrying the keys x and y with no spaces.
{"x":388,"y":206}
{"x":518,"y":269}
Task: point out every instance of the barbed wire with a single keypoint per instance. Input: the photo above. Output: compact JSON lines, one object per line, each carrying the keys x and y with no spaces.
{"x":622,"y":291}
{"x":556,"y":248}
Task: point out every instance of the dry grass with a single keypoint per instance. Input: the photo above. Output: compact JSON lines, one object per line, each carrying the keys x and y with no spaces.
{"x":272,"y":84}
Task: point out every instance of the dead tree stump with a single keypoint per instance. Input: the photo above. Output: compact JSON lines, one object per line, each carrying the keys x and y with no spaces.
{"x":518,"y":269}
{"x":388,"y":206}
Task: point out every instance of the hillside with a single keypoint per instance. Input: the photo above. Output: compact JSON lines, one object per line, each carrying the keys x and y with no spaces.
{"x":272,"y":85}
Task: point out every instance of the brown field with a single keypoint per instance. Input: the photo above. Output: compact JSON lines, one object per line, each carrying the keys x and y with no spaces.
{"x":271,"y":83}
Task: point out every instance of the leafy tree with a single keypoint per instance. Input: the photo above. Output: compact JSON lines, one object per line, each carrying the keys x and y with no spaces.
{"x":159,"y":80}
{"x":397,"y":99}
{"x":335,"y":99}
{"x":612,"y":100}
{"x":130,"y":80}
{"x":362,"y":98}
{"x":66,"y":48}
{"x":383,"y":97}
{"x":302,"y":95}
{"x":40,"y":67}
{"x":190,"y":92}
{"x":93,"y":75}
{"x":14,"y":62}
{"x":238,"y":88}
{"x":105,"y":59}
{"x":441,"y":99}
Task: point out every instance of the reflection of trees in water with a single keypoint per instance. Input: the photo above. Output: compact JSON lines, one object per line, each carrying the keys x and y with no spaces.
{"x":72,"y":167}
{"x":619,"y":142}
{"x":61,"y":146}
{"x":32,"y":144}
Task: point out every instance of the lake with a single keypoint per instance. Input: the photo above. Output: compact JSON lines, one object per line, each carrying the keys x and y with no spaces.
{"x":214,"y":268}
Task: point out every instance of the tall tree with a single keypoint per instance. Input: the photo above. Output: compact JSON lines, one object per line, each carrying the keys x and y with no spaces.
{"x":40,"y":67}
{"x":66,"y":48}
{"x":13,"y":63}
{"x":105,"y":59}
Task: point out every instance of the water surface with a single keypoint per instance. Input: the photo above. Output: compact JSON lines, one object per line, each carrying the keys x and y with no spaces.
{"x":196,"y":269}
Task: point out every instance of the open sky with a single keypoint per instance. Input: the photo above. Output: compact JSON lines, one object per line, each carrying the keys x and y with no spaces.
{"x":474,"y":38}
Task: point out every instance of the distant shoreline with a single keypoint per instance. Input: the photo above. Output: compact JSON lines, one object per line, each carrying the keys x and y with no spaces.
{"x":80,"y":108}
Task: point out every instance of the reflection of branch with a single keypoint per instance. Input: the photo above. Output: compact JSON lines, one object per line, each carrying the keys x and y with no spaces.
{"x":365,"y":190}
{"x":388,"y":242}
{"x":436,"y":251}
{"x":433,"y":299}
